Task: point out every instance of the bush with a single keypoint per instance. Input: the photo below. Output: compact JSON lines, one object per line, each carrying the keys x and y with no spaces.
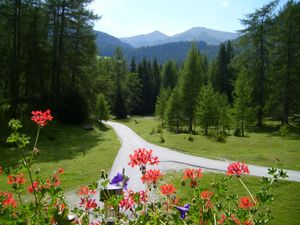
{"x":283,"y":131}
{"x":221,"y":138}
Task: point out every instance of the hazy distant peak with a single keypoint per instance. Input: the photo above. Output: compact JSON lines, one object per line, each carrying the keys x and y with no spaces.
{"x":207,"y":35}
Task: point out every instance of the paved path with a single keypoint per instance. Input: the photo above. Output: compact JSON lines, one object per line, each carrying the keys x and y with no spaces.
{"x":169,"y":159}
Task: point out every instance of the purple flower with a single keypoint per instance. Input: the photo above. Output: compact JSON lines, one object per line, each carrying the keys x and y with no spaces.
{"x":183,"y":210}
{"x":119,"y":180}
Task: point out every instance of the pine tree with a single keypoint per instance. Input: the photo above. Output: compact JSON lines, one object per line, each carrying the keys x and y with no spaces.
{"x":161,"y":104}
{"x":284,"y":82}
{"x":174,"y":114}
{"x":191,"y":82}
{"x":169,"y":75}
{"x":102,"y":109}
{"x":255,"y":40}
{"x":207,"y":110}
{"x":243,"y":110}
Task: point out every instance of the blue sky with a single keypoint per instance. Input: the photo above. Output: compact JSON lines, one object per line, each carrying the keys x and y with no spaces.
{"x":123,"y":18}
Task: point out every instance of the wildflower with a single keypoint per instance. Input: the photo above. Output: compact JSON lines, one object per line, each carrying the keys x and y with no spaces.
{"x":16,"y":179}
{"x":128,"y":201}
{"x":245,"y":203}
{"x":151,"y":176}
{"x":41,"y":118}
{"x":183,"y":210}
{"x":85,"y":190}
{"x":61,"y":171}
{"x":88,"y":203}
{"x":192,"y":174}
{"x":1,"y":170}
{"x":237,"y":169}
{"x":206,"y":195}
{"x":120,"y":180}
{"x":143,"y":197}
{"x":7,"y":200}
{"x":33,"y":187}
{"x":167,"y":189}
{"x":222,"y":220}
{"x":142,"y":157}
{"x":248,"y":222}
{"x":235,"y":220}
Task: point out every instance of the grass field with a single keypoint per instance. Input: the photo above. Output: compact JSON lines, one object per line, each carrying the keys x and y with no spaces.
{"x":82,"y":154}
{"x":261,"y":148}
{"x":285,"y":207}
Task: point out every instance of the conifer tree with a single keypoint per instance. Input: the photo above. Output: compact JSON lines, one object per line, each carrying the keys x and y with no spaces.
{"x":161,"y":104}
{"x":102,"y":108}
{"x":174,"y":114}
{"x":191,"y":82}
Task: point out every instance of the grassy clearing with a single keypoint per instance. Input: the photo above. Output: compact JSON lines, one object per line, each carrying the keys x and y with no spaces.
{"x":261,"y":148}
{"x":285,"y":207}
{"x":81,"y":153}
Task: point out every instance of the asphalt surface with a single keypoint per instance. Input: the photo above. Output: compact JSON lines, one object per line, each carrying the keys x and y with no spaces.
{"x":169,"y":159}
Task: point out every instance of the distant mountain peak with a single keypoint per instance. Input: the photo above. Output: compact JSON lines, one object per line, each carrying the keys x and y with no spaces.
{"x":156,"y":37}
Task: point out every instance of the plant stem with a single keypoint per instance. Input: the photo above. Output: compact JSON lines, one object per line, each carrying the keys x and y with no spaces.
{"x":215,"y":220}
{"x":19,"y":195}
{"x":247,"y":190}
{"x":30,"y":177}
{"x":35,"y":143}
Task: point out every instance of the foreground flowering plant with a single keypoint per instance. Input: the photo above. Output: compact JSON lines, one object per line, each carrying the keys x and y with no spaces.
{"x":158,"y":202}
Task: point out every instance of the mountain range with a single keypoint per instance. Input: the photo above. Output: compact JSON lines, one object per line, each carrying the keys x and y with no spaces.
{"x":163,"y":47}
{"x":210,"y":36}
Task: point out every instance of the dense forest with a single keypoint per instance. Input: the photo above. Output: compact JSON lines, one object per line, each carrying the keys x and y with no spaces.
{"x":49,"y":59}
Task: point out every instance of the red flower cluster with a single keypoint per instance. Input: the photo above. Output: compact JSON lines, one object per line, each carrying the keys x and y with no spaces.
{"x":46,"y":185}
{"x":1,"y":170}
{"x":41,"y":118}
{"x":192,"y":174}
{"x":128,"y":200}
{"x":206,"y":195}
{"x":85,"y":190}
{"x":7,"y":200}
{"x":151,"y":176}
{"x":33,"y":187}
{"x":142,"y":157}
{"x":143,"y":197}
{"x":237,"y":169}
{"x":88,"y":203}
{"x":167,"y":189}
{"x":16,"y":179}
{"x":245,"y":203}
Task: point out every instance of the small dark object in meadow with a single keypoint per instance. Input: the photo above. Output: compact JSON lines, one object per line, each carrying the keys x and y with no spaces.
{"x":237,"y":132}
{"x":191,"y":138}
{"x":136,"y":121}
{"x":221,"y":138}
{"x":88,"y":127}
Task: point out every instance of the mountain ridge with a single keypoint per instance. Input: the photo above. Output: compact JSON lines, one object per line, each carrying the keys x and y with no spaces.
{"x":210,"y":36}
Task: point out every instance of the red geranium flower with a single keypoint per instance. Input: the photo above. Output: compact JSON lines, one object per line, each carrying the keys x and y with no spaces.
{"x":143,"y":196}
{"x":248,"y":222}
{"x":245,"y":203}
{"x":16,"y":179}
{"x":85,"y":190}
{"x":33,"y":187}
{"x":151,"y":176}
{"x":192,"y":174}
{"x":41,"y":118}
{"x":142,"y":157}
{"x":237,"y":169}
{"x":167,"y":189}
{"x":128,"y":200}
{"x":222,"y":220}
{"x":8,"y":200}
{"x":206,"y":195}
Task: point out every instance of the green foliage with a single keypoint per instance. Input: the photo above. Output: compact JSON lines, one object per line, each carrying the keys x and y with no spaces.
{"x":174,"y":110}
{"x":283,"y":131}
{"x":133,"y":93}
{"x":161,"y":104}
{"x":243,"y":110}
{"x":169,"y":75}
{"x":192,"y":79}
{"x":207,"y":113}
{"x":102,"y":108}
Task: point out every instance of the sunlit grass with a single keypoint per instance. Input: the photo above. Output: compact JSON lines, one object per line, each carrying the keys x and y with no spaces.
{"x":82,"y":154}
{"x":285,"y":207}
{"x":261,"y":148}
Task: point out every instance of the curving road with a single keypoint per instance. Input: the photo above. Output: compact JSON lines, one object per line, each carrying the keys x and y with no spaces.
{"x":169,"y":159}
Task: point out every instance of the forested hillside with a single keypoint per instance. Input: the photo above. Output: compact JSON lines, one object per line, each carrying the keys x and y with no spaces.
{"x":49,"y":60}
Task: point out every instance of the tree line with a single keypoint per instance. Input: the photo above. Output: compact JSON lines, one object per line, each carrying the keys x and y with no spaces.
{"x":49,"y":60}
